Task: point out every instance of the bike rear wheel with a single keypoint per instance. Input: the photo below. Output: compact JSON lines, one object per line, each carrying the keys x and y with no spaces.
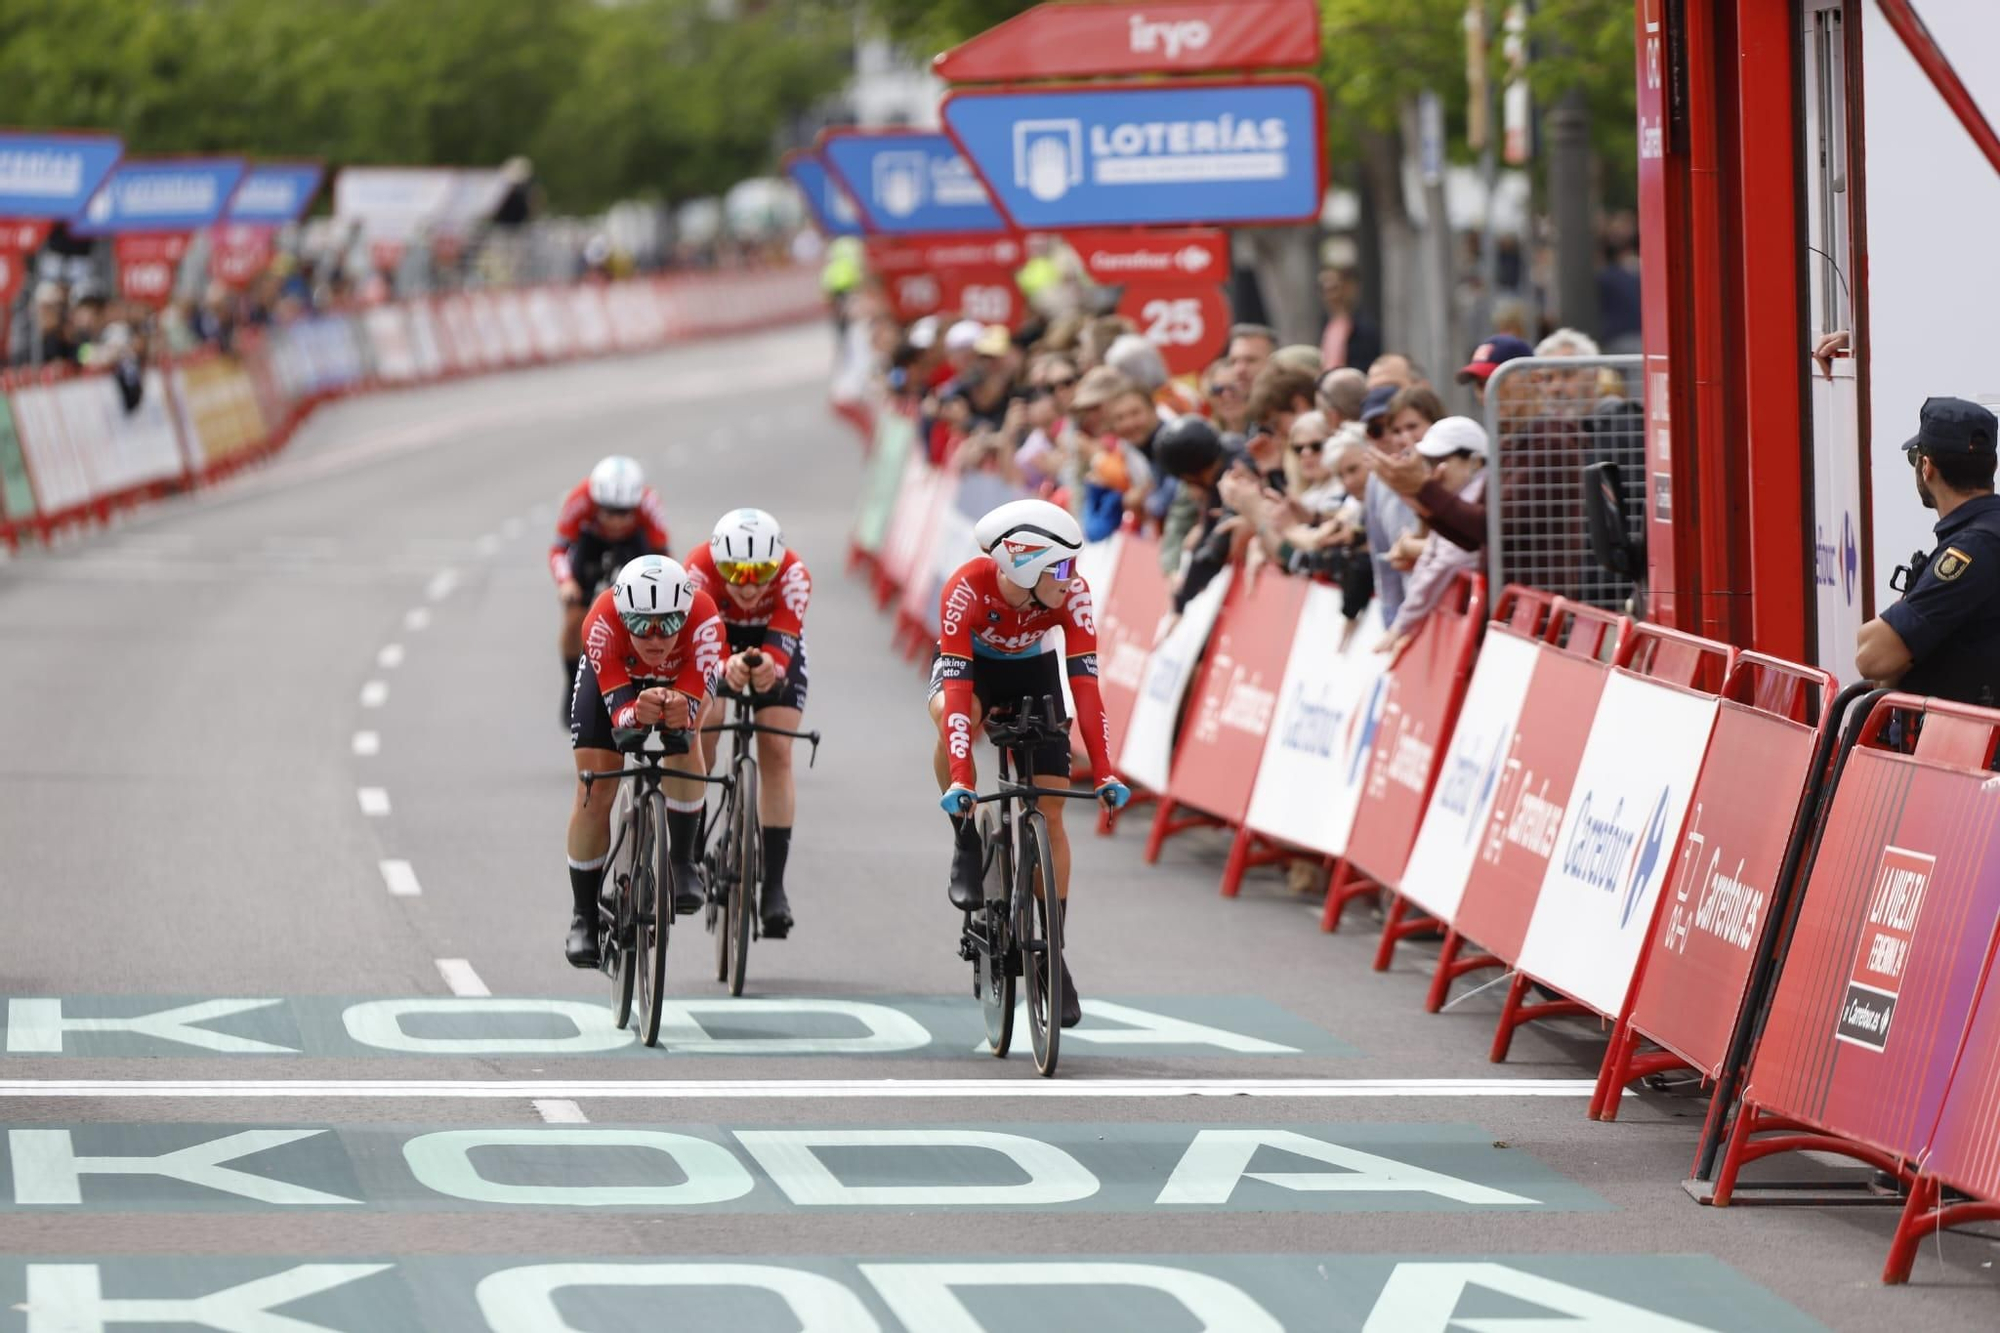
{"x":1039,"y":931}
{"x":747,"y":833}
{"x":993,"y":971}
{"x":615,"y":923}
{"x":653,"y":874}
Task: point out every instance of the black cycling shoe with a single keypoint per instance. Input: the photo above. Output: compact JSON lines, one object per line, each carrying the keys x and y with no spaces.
{"x":688,"y":897}
{"x":1072,"y":1009}
{"x":776,"y":912}
{"x":968,"y":894}
{"x":581,"y":946}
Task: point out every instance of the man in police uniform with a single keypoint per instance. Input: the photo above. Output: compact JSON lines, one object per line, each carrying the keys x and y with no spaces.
{"x":1943,"y":637}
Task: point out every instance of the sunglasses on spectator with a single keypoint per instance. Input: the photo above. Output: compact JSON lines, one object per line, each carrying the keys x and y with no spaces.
{"x":740,"y":572}
{"x":1378,"y":428}
{"x":1066,"y":382}
{"x":1306,"y":446}
{"x":1224,"y":390}
{"x":650,"y":627}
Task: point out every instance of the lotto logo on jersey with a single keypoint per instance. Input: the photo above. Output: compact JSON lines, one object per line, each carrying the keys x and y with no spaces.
{"x":796,"y":590}
{"x":1081,"y":610}
{"x":960,"y":727}
{"x":708,"y":648}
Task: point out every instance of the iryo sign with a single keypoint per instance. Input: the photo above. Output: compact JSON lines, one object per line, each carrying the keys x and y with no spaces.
{"x":1081,"y":41}
{"x":1145,"y":155}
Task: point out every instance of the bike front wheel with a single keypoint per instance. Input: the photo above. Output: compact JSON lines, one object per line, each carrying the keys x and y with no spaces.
{"x":748,"y":835}
{"x":1038,"y":931}
{"x":993,"y":968}
{"x":653,"y":873}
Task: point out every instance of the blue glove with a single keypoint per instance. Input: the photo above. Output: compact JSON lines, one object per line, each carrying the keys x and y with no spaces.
{"x":1113,"y":793}
{"x":956,"y":801}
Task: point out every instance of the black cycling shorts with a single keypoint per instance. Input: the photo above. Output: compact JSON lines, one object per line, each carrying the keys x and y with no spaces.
{"x":791,"y":691}
{"x":1004,"y":680}
{"x":589,"y":721}
{"x":594,"y":563}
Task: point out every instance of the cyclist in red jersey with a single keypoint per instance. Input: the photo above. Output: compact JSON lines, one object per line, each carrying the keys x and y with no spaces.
{"x":994,"y":614}
{"x":652,"y":648}
{"x":608,"y":520}
{"x":762,"y":589}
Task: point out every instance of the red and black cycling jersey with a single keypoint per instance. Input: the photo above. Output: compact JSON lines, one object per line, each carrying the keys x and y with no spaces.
{"x":691,"y":666}
{"x":780,"y":608}
{"x":976,"y":620}
{"x":578,"y":516}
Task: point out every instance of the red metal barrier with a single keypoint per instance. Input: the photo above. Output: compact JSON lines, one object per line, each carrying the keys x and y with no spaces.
{"x":1426,"y":685}
{"x":1614,"y":851}
{"x":1435,"y":868}
{"x":1229,"y":707}
{"x":1534,"y":790}
{"x":1717,"y":915}
{"x":1893,"y":937}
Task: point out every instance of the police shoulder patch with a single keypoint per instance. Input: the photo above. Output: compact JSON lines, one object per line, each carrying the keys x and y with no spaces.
{"x":1951,"y":562}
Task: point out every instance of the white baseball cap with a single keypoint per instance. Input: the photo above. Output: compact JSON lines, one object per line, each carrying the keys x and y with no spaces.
{"x":962,"y":336}
{"x":1453,"y":435}
{"x":923,"y":333}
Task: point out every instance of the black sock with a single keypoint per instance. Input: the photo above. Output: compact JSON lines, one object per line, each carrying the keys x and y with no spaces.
{"x":583,"y":888}
{"x":684,"y":829}
{"x":777,"y":847}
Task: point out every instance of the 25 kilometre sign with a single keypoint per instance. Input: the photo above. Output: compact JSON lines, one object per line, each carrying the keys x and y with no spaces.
{"x":1127,"y":155}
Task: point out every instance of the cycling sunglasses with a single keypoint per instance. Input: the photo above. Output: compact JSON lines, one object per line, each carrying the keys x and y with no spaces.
{"x":606,"y":511}
{"x":663,"y":626}
{"x":1062,"y":569}
{"x":740,"y":572}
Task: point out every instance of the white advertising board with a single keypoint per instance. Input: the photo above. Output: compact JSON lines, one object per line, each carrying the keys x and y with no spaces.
{"x":1149,"y":737}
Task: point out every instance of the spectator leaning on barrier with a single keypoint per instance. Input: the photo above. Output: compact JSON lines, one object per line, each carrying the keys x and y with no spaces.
{"x":1190,"y":451}
{"x":1334,"y":546}
{"x":1455,"y":449}
{"x":1943,"y":637}
{"x":1405,"y":469}
{"x":1279,"y":397}
{"x":1309,"y":481}
{"x":1386,"y":518}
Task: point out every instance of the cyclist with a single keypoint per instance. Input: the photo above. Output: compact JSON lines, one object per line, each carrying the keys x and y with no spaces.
{"x":994,"y":614}
{"x":762,"y":589}
{"x":610,"y":519}
{"x":652,"y":649}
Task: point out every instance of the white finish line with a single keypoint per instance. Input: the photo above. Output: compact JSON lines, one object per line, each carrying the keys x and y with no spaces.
{"x":938,"y":1089}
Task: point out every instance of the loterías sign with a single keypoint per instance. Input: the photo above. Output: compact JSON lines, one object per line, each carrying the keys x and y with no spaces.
{"x":1082,"y":41}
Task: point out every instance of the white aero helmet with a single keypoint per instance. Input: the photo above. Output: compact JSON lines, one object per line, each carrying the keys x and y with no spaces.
{"x":1027,"y":537}
{"x":747,"y":541}
{"x":653,"y":591}
{"x":617,"y":482}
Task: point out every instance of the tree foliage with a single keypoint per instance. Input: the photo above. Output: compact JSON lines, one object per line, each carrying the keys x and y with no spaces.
{"x":610,"y":99}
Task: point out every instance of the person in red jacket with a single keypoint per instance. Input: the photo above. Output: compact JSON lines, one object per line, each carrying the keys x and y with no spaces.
{"x":993,"y":616}
{"x":762,"y":589}
{"x":652,"y":649}
{"x":608,"y":520}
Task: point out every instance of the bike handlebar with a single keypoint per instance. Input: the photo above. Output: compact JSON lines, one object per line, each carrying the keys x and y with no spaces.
{"x":1013,"y":791}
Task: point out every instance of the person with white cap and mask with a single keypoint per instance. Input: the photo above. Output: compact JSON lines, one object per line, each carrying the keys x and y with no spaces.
{"x":1455,"y":449}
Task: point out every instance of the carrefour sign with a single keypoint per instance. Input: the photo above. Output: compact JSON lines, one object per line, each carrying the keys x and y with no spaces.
{"x":51,"y":176}
{"x":1146,"y":155}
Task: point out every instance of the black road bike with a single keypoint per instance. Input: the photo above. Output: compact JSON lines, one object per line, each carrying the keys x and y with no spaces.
{"x":734,"y":861}
{"x":1017,"y":931}
{"x":635,"y":908}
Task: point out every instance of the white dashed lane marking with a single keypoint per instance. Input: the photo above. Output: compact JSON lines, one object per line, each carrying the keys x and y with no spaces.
{"x":441,"y":584}
{"x":390,"y":657}
{"x":374,"y":694}
{"x":559,"y":1111}
{"x":458,"y":975}
{"x":416,"y":618}
{"x":367,"y":743}
{"x":929,"y":1089}
{"x":402,"y":880}
{"x":374,"y":801}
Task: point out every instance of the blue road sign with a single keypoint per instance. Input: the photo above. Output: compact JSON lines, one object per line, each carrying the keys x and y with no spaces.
{"x":832,"y":210}
{"x":275,"y":192}
{"x":166,"y":194}
{"x":910,"y":184}
{"x":1147,"y":155}
{"x":52,"y":176}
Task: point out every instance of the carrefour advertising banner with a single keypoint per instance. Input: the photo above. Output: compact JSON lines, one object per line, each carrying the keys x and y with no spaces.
{"x":1618,"y":838}
{"x":1138,"y":155}
{"x":164,"y":195}
{"x":52,"y":176}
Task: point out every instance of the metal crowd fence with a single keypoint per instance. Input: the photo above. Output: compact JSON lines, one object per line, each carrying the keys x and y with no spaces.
{"x":1547,"y":418}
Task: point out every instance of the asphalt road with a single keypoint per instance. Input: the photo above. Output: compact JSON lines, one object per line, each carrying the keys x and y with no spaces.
{"x":282,"y":796}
